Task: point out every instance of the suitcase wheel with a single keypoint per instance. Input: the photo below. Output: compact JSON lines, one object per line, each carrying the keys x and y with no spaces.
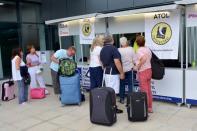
{"x":14,"y":96}
{"x":6,"y":98}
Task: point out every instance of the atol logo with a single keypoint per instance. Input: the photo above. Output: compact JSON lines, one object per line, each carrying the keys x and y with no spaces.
{"x":87,"y":28}
{"x":161,"y":33}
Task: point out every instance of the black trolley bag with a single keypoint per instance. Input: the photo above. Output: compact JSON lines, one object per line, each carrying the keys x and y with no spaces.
{"x":137,"y":107}
{"x":103,"y":105}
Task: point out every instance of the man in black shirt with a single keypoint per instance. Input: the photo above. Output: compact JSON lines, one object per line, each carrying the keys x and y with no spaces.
{"x":111,"y":60}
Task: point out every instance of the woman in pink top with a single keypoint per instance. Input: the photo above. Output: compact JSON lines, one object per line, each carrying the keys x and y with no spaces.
{"x":33,"y":63}
{"x":143,"y":66}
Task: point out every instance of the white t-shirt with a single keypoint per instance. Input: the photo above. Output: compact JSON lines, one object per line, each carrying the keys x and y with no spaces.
{"x":95,"y":57}
{"x":16,"y":75}
{"x":127,"y":58}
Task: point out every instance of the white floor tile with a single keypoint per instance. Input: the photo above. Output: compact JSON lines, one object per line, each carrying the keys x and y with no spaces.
{"x":44,"y":127}
{"x":48,"y":115}
{"x":27,"y":123}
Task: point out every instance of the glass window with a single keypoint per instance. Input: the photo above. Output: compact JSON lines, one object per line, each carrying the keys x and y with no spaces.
{"x":192,"y":46}
{"x":8,"y":12}
{"x":30,"y":13}
{"x":30,"y":35}
{"x":52,"y":39}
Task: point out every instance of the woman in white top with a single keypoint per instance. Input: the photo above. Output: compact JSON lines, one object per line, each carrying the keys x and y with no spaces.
{"x":127,"y":58}
{"x":96,"y":71}
{"x":17,"y":62}
{"x":34,"y":69}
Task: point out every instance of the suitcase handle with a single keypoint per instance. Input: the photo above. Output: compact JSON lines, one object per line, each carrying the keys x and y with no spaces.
{"x":104,"y":76}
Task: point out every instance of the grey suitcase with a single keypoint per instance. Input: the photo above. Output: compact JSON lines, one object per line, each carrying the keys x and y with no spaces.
{"x":103,"y":105}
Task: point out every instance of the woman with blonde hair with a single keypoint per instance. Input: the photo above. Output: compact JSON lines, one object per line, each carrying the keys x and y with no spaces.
{"x":96,"y":71}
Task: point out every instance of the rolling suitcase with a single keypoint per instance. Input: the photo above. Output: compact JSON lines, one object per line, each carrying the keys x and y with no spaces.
{"x":70,"y":89}
{"x":137,"y":107}
{"x":103,"y":105}
{"x":8,"y":91}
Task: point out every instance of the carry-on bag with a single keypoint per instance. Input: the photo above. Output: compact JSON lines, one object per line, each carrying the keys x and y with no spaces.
{"x":137,"y":108}
{"x":70,"y":89}
{"x":103,"y":105}
{"x":8,"y":92}
{"x":37,"y":93}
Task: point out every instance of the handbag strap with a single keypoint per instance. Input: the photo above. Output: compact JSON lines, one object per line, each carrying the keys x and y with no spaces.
{"x":104,"y":75}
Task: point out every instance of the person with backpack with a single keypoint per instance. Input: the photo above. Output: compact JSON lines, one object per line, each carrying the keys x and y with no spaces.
{"x":34,"y":69}
{"x":96,"y":71}
{"x":55,"y":58}
{"x":143,"y":67}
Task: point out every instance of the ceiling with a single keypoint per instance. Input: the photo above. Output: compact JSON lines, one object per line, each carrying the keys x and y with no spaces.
{"x":8,"y":1}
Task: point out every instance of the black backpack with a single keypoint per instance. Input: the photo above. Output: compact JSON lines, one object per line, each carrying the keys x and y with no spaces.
{"x":158,"y":68}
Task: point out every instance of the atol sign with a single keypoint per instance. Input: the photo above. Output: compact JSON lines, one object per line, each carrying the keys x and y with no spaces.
{"x":162,"y":33}
{"x":191,"y":15}
{"x":87,"y":33}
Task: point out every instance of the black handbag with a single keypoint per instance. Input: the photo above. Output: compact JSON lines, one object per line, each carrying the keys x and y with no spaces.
{"x":158,"y":68}
{"x":24,"y":71}
{"x":25,"y":75}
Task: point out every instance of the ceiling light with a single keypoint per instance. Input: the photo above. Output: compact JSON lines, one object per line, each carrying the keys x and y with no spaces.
{"x":1,"y":3}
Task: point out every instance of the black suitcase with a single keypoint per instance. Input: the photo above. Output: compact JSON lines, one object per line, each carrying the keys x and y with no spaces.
{"x":137,"y":107}
{"x":103,"y":106}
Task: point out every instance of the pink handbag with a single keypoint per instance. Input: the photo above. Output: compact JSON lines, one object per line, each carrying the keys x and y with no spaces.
{"x":37,"y":93}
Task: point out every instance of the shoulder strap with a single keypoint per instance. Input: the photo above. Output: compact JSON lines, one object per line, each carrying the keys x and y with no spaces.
{"x":104,"y":76}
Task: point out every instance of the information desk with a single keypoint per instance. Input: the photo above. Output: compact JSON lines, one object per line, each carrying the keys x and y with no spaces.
{"x":170,"y":88}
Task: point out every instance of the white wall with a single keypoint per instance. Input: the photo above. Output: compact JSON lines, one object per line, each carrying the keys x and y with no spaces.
{"x":127,"y":24}
{"x":75,"y":25}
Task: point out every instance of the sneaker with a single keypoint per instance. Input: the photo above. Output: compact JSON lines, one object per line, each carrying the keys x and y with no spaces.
{"x":59,"y":97}
{"x":46,"y":92}
{"x":121,"y":101}
{"x":118,"y":111}
{"x":24,"y":103}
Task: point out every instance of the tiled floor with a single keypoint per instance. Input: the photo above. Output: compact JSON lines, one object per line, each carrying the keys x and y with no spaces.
{"x":48,"y":115}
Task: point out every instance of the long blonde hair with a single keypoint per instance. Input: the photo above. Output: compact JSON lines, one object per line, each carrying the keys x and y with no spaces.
{"x":98,"y":41}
